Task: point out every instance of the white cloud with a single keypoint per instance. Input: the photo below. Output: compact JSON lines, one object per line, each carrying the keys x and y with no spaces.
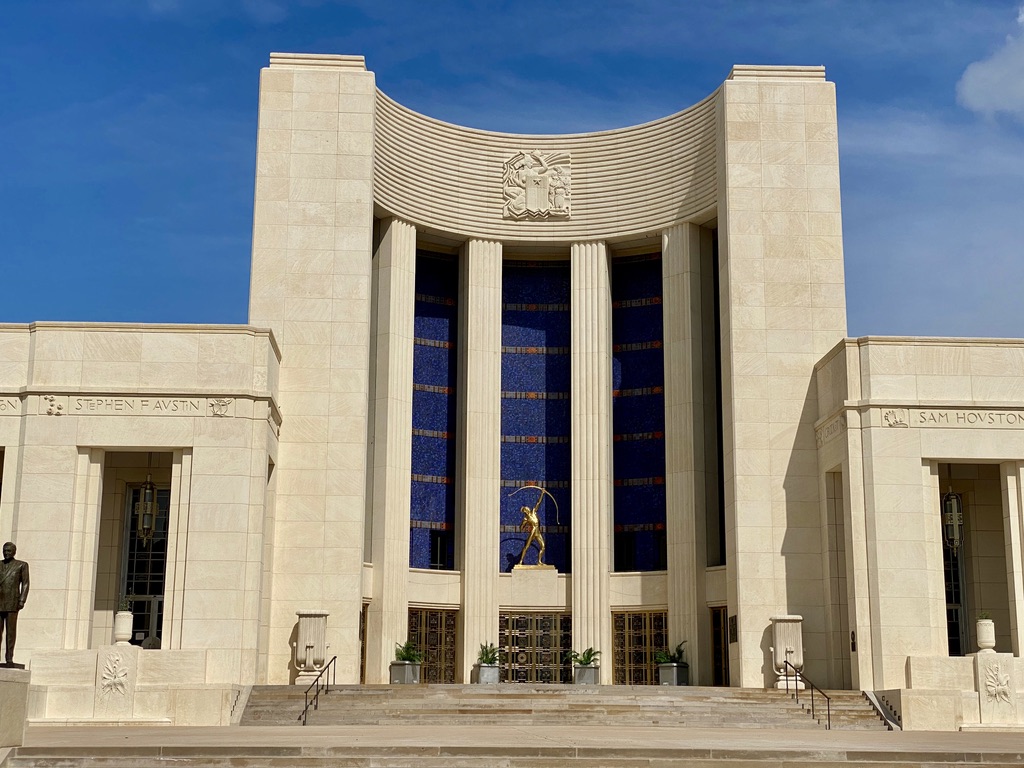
{"x":996,"y":84}
{"x":956,"y":150}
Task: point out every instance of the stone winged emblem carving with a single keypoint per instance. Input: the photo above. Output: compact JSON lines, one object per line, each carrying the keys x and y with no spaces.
{"x":997,"y":684}
{"x":536,"y":185}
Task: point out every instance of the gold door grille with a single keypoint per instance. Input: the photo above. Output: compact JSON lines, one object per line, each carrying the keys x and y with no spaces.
{"x":636,"y":637}
{"x":433,"y":632}
{"x":534,"y":646}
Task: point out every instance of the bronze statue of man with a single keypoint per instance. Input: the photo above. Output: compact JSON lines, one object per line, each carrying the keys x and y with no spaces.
{"x":13,"y":593}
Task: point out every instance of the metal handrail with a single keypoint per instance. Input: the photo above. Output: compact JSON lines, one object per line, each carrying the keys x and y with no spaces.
{"x":324,"y":686}
{"x":798,"y":675}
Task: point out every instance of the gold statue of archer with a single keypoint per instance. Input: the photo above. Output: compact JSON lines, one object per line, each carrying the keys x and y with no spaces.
{"x":531,"y":523}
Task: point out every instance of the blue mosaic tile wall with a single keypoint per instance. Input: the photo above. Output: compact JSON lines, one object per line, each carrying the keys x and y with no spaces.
{"x":638,"y":413}
{"x":433,"y":412}
{"x":535,"y":407}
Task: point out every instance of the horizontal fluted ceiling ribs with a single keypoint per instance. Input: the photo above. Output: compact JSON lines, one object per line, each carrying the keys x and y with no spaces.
{"x":627,"y":181}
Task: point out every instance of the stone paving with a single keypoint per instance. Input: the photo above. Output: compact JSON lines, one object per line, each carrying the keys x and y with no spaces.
{"x":810,"y":746}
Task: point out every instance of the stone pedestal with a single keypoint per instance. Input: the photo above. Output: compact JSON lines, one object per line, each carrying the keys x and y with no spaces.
{"x":996,"y":683}
{"x":787,"y":645}
{"x":13,"y":706}
{"x":116,"y":680}
{"x":535,"y":585}
{"x":310,"y":645}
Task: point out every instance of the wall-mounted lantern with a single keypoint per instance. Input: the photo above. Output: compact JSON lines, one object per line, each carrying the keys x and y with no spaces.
{"x":146,"y":511}
{"x":952,"y":521}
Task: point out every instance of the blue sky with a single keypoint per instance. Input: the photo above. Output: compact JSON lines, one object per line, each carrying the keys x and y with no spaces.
{"x":129,"y":131}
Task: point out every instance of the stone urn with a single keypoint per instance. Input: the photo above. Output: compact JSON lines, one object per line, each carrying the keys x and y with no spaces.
{"x":123,"y":621}
{"x":985,"y":631}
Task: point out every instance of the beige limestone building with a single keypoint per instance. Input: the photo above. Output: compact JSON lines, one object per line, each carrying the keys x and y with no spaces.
{"x":647,"y":323}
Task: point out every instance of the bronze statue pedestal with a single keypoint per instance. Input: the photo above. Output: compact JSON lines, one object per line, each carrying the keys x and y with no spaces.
{"x":14,"y":705}
{"x":535,"y":586}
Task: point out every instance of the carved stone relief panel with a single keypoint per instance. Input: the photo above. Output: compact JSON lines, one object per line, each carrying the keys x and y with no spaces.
{"x":116,"y":676}
{"x":997,"y":690}
{"x":536,"y":185}
{"x":895,"y":417}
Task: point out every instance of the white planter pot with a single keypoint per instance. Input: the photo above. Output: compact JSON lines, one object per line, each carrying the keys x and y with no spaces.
{"x":588,"y":675}
{"x":674,"y":674}
{"x":122,"y":627}
{"x":986,"y":633}
{"x":487,"y":674}
{"x":405,"y":672}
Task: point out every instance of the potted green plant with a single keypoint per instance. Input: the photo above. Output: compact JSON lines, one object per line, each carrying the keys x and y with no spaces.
{"x":123,"y":620}
{"x":486,"y":670}
{"x":585,"y":669}
{"x":672,"y":667}
{"x":985,"y":631}
{"x":405,"y":669}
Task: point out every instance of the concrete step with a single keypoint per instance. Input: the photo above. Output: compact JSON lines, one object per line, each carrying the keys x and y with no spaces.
{"x":524,"y":756}
{"x":513,"y":704}
{"x":554,"y":745}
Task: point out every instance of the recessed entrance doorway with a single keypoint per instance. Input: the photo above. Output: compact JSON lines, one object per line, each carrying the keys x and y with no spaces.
{"x":132,"y":564}
{"x":973,"y":554}
{"x":534,"y":647}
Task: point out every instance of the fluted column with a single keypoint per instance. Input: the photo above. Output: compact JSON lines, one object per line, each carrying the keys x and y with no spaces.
{"x":479,"y":448}
{"x":684,"y":454}
{"x":591,"y":450}
{"x":388,"y":614}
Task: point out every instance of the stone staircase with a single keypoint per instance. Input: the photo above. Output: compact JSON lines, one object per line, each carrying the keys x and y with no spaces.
{"x":519,"y":726}
{"x":524,"y":705}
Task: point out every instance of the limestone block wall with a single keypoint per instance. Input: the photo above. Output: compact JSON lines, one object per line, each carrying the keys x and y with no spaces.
{"x":898,"y":415}
{"x":197,"y":394}
{"x":311,"y":277}
{"x":782,"y":308}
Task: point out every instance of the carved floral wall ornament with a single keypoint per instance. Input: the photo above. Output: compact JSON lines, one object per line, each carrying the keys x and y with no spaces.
{"x":536,"y":185}
{"x":997,"y":684}
{"x":53,"y":408}
{"x":219,"y":406}
{"x":115,"y":676}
